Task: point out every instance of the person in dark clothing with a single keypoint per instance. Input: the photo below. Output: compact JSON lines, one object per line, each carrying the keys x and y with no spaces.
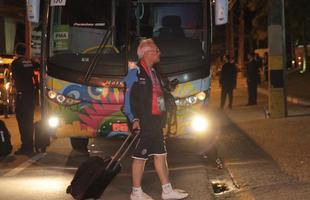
{"x":227,"y":81}
{"x":145,"y":109}
{"x":265,"y":65}
{"x":23,"y":73}
{"x":252,"y":74}
{"x":259,"y":63}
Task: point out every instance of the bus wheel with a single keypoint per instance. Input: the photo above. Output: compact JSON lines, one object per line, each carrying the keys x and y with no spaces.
{"x":79,"y":144}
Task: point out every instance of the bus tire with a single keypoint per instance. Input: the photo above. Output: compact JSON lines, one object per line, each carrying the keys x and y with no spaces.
{"x":79,"y":144}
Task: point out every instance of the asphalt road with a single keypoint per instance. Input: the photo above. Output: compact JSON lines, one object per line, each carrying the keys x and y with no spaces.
{"x":46,"y":176}
{"x":247,"y":173}
{"x":245,"y":166}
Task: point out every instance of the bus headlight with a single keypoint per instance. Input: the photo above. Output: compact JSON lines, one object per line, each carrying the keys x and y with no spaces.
{"x":61,"y":99}
{"x":53,"y":121}
{"x":7,"y":85}
{"x":51,"y":94}
{"x":191,"y":100}
{"x":201,"y":96}
{"x":200,"y":124}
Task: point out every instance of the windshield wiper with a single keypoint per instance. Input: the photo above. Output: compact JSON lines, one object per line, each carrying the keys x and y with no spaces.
{"x":99,"y":51}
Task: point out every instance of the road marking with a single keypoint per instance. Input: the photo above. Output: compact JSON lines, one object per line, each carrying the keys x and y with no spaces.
{"x":185,"y":168}
{"x":24,"y":165}
{"x":152,"y":171}
{"x":249,"y":162}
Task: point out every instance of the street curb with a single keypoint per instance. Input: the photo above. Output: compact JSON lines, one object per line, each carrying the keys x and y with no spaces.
{"x":290,"y":99}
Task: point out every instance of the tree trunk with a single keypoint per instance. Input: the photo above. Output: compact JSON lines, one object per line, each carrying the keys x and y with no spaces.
{"x":2,"y":36}
{"x":241,"y":40}
{"x":28,"y":31}
{"x":227,"y":30}
{"x":232,"y":36}
{"x":305,"y":49}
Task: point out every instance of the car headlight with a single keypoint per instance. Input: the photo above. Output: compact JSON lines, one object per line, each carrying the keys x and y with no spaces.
{"x":61,"y":99}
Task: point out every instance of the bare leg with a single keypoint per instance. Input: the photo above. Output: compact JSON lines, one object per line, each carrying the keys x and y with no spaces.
{"x":137,"y":172}
{"x":161,"y":167}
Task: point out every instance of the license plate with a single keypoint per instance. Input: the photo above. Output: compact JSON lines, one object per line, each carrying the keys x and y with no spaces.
{"x":120,"y":127}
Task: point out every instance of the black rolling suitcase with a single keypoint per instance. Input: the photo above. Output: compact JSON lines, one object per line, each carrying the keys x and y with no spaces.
{"x":5,"y":140}
{"x":41,"y":137}
{"x":94,"y":175}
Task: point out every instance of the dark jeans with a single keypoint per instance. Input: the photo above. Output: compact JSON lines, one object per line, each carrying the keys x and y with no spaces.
{"x":252,"y":91}
{"x":225,"y":92}
{"x":25,"y":103}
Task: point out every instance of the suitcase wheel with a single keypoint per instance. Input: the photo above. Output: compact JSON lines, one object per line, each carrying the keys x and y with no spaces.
{"x":69,"y":189}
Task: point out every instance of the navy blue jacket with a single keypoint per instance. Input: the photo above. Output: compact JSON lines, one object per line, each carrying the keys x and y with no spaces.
{"x":138,"y":95}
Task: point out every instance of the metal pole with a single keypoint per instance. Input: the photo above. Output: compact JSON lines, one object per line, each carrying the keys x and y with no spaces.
{"x":277,"y":64}
{"x":113,"y":15}
{"x":44,"y":58}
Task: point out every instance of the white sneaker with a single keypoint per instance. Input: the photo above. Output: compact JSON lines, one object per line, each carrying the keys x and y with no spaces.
{"x":174,"y":194}
{"x":140,"y":196}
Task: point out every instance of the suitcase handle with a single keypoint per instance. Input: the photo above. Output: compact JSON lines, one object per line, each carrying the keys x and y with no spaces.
{"x":117,"y":154}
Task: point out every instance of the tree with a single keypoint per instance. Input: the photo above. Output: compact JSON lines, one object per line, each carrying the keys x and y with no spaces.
{"x":260,"y":21}
{"x":298,"y":24}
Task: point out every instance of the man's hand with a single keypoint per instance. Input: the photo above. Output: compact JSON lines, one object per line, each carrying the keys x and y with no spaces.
{"x":136,"y":126}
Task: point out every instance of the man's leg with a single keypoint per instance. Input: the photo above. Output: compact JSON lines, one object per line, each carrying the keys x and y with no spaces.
{"x":255,"y":93}
{"x":223,"y":97}
{"x":161,"y":167}
{"x":230,"y":97}
{"x":249,"y":93}
{"x":137,"y":171}
{"x":28,"y":117}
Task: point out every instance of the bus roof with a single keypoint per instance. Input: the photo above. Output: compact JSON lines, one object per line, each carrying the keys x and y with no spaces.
{"x":169,"y":1}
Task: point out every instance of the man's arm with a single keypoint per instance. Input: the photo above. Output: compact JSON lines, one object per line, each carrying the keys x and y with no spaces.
{"x":130,"y":109}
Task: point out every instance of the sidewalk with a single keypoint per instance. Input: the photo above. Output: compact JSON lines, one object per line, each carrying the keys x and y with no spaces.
{"x":298,"y":88}
{"x":286,"y":140}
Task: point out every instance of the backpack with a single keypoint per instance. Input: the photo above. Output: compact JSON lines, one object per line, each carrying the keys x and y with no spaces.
{"x":5,"y":140}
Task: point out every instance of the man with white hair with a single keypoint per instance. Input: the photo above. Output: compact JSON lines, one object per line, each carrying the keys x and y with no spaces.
{"x":145,"y":110}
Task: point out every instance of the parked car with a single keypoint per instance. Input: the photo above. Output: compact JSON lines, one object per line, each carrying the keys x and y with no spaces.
{"x":7,"y":100}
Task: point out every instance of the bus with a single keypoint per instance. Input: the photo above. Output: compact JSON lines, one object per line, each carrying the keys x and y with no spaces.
{"x":86,"y":47}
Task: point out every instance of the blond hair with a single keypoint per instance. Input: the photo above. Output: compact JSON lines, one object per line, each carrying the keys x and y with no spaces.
{"x":144,"y":46}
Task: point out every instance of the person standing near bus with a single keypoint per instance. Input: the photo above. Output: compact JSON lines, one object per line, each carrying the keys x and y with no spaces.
{"x":145,"y":109}
{"x":227,"y":81}
{"x":23,"y":73}
{"x":252,"y":74}
{"x":265,"y":66}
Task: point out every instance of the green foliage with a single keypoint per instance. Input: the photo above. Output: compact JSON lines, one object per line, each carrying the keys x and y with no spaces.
{"x":298,"y":18}
{"x":260,"y":21}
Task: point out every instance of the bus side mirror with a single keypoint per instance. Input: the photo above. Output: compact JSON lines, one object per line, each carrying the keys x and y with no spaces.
{"x":221,"y":12}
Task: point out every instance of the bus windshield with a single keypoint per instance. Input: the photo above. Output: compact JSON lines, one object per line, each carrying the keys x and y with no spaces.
{"x":177,"y":29}
{"x":76,"y":31}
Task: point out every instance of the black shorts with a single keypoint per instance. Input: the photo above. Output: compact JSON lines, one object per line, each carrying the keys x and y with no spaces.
{"x":151,"y":141}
